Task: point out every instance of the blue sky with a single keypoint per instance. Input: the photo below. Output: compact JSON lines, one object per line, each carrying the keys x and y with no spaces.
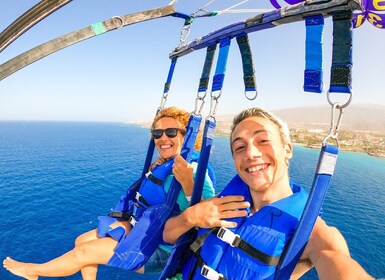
{"x":119,"y":76}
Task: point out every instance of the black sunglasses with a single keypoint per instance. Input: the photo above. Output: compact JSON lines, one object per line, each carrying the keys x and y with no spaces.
{"x":170,"y":132}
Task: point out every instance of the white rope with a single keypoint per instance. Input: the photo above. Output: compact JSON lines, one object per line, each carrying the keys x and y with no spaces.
{"x":245,"y":11}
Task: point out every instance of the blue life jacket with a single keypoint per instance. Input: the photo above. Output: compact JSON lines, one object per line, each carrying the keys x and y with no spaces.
{"x":256,"y":244}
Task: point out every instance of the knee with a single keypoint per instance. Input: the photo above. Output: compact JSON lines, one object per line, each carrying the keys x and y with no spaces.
{"x":80,"y":239}
{"x":85,"y":237}
{"x":81,"y":251}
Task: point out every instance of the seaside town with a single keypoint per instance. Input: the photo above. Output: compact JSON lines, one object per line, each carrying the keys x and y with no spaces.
{"x":372,"y":143}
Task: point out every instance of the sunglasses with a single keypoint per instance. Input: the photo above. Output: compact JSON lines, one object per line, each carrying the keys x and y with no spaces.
{"x":170,"y":132}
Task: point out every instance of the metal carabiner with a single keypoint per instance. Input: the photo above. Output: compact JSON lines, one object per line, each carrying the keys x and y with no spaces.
{"x":198,"y":108}
{"x":213,"y":107}
{"x":335,"y":125}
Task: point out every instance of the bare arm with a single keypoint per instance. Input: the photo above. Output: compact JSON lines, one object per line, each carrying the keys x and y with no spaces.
{"x":335,"y":265}
{"x":206,"y":214}
{"x":328,"y":251}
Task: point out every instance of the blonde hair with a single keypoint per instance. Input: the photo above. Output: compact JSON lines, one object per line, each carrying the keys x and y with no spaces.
{"x":258,"y":112}
{"x":181,"y":116}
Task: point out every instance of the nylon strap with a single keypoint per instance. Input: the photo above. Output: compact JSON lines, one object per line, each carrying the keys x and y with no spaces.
{"x":341,"y":71}
{"x":205,"y":77}
{"x":238,"y":243}
{"x":325,"y":169}
{"x":267,"y":20}
{"x":247,"y":63}
{"x":313,"y":56}
{"x":170,"y":74}
{"x":220,"y":69}
{"x":208,"y":138}
{"x":192,"y":130}
{"x":28,"y":57}
{"x":31,"y":17}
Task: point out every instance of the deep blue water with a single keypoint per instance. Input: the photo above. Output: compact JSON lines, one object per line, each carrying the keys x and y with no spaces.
{"x":56,"y":178}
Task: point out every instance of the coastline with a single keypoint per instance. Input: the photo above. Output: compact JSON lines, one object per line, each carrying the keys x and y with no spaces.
{"x":370,"y":143}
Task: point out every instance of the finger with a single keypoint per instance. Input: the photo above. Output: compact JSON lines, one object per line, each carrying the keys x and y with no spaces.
{"x":228,"y":224}
{"x":233,"y":214}
{"x":231,"y":198}
{"x":235,"y":206}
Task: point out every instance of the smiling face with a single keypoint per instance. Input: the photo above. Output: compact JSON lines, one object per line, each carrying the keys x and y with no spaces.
{"x":168,"y":147}
{"x":261,"y":157}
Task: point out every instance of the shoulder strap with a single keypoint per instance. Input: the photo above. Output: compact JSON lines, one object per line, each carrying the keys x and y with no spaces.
{"x":325,"y":169}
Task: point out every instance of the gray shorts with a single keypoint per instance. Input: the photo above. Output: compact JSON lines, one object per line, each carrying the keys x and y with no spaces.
{"x":157,"y":262}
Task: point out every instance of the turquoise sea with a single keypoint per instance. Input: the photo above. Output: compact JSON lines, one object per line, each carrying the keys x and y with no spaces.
{"x":57,"y":177}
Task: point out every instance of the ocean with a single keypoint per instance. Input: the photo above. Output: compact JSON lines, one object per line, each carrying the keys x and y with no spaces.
{"x":56,"y":178}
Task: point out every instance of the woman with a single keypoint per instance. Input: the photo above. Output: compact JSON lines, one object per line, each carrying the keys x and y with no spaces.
{"x":168,"y":129}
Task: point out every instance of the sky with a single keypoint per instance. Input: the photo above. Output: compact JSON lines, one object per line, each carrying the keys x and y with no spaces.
{"x":119,"y":76}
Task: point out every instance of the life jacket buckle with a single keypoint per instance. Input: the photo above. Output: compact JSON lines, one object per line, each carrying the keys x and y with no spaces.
{"x":229,"y":237}
{"x":210,"y":273}
{"x":132,"y":221}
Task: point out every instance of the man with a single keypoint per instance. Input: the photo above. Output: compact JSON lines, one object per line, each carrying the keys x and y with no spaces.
{"x":262,"y":209}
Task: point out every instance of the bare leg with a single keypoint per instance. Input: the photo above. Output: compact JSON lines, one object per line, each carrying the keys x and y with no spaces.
{"x":89,"y":253}
{"x":88,"y":272}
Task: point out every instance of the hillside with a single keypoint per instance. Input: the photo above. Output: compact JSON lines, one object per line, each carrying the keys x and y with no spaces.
{"x":359,"y":118}
{"x":362,"y":129}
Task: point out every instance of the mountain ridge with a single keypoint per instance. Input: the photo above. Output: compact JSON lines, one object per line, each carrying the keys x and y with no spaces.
{"x":357,"y":117}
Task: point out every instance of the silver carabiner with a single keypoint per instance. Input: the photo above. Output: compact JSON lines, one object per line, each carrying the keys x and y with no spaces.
{"x":335,"y":125}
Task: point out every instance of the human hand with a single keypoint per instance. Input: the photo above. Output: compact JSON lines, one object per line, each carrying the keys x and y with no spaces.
{"x":183,"y":172}
{"x":158,"y":161}
{"x":213,"y":212}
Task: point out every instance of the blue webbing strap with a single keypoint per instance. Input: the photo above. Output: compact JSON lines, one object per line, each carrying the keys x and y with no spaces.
{"x":313,"y":57}
{"x":247,"y":63}
{"x":138,"y":246}
{"x":170,"y":74}
{"x":205,"y":77}
{"x":208,"y":138}
{"x":186,"y":153}
{"x":220,"y":69}
{"x":341,"y":71}
{"x":325,"y":169}
{"x":181,"y":251}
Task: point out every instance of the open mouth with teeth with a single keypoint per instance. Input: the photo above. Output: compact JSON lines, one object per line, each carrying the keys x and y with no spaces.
{"x":257,"y":168}
{"x":165,"y":147}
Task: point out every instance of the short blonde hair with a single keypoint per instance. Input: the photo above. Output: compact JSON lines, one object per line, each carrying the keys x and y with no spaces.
{"x":258,"y":112}
{"x":181,"y":116}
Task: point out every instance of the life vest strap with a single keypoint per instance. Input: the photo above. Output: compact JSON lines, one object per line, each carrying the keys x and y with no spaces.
{"x":235,"y":240}
{"x":120,"y":215}
{"x":141,"y":199}
{"x":153,"y":179}
{"x":210,"y":273}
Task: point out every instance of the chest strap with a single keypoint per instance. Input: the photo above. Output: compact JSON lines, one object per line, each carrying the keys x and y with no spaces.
{"x":234,"y":240}
{"x":208,"y":272}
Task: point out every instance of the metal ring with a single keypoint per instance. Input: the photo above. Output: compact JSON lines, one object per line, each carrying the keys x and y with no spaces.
{"x":339,"y":106}
{"x":119,"y":18}
{"x":251,"y":98}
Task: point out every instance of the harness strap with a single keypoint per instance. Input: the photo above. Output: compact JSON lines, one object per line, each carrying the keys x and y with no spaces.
{"x":313,"y":56}
{"x":234,"y":240}
{"x":325,"y":169}
{"x":120,"y":215}
{"x":31,"y":17}
{"x":142,"y":200}
{"x":54,"y":45}
{"x":170,"y":74}
{"x":208,"y":272}
{"x":154,"y":179}
{"x":221,"y":64}
{"x":341,"y":70}
{"x":204,"y":80}
{"x":247,"y":63}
